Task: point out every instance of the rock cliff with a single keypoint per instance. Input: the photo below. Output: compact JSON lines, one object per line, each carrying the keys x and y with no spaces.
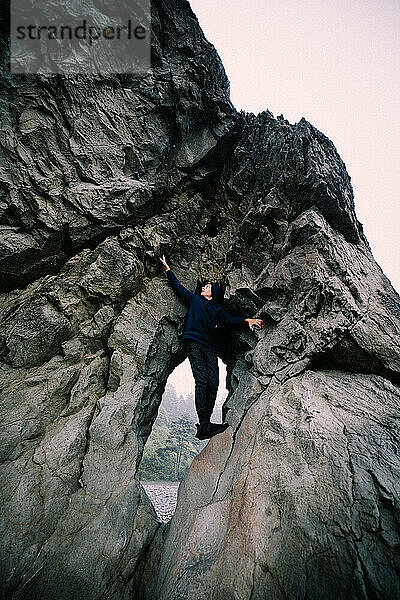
{"x":299,"y":497}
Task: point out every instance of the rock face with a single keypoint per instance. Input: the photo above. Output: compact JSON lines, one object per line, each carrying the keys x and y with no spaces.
{"x":299,"y":498}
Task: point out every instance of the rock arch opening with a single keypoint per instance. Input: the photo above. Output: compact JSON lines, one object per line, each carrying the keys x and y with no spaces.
{"x":172,"y":445}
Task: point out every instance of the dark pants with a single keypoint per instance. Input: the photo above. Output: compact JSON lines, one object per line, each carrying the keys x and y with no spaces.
{"x":204,"y":363}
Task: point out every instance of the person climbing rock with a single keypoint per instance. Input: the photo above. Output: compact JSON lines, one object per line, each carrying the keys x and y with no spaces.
{"x":205,"y":311}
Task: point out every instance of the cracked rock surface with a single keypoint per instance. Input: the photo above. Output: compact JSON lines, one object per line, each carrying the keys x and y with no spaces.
{"x":299,"y":497}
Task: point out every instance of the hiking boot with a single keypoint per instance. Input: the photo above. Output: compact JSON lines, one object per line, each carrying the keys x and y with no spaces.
{"x":208,"y":430}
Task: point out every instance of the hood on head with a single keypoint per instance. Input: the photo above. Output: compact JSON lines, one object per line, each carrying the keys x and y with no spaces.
{"x":217,"y":295}
{"x":216,"y":292}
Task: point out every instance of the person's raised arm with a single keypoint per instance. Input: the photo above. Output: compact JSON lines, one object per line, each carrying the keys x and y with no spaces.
{"x":232,"y":320}
{"x":182,"y":292}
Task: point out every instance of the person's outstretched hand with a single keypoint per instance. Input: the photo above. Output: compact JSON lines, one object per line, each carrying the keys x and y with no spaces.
{"x":164,"y":262}
{"x":258,"y":323}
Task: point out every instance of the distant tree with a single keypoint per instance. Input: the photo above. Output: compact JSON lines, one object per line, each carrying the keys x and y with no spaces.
{"x":152,"y":466}
{"x":181,"y":444}
{"x":162,"y":419}
{"x":188,"y":407}
{"x":170,"y":402}
{"x":180,"y":406}
{"x":171,"y":445}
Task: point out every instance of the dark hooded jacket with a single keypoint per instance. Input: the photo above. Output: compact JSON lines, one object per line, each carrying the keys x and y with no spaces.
{"x":203,"y":315}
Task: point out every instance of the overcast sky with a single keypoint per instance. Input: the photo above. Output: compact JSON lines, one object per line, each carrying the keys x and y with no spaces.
{"x":336,"y":64}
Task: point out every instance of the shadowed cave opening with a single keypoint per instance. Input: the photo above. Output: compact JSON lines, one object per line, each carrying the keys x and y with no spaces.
{"x":172,"y":445}
{"x":348,"y":356}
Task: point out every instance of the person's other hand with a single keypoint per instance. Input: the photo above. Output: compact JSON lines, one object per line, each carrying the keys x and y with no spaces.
{"x":164,"y":263}
{"x":258,"y":323}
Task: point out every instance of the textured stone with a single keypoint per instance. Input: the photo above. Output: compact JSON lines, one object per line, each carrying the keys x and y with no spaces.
{"x":300,"y":505}
{"x":299,"y":497}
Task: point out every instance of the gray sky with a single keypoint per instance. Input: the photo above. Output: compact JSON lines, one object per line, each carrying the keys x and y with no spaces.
{"x":336,"y":64}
